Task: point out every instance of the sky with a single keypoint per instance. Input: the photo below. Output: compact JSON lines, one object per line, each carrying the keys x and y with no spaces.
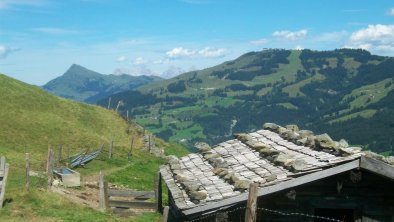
{"x":41,"y":39}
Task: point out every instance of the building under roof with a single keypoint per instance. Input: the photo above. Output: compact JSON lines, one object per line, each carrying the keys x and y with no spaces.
{"x":301,"y":177}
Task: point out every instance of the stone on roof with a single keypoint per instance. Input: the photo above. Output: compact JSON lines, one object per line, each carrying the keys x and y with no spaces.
{"x":267,"y":157}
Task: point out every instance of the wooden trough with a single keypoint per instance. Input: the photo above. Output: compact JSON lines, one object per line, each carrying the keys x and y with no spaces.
{"x":4,"y":167}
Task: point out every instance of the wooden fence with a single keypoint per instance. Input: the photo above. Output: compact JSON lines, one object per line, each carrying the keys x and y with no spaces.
{"x":4,"y":167}
{"x":120,"y":201}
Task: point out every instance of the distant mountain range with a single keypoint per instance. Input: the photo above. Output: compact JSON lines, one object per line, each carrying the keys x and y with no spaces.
{"x":81,"y":84}
{"x":346,"y":93}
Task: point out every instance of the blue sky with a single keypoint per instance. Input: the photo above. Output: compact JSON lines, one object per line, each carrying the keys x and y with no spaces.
{"x":40,"y":39}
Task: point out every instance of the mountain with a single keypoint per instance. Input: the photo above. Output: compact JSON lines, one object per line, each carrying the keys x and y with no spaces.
{"x":81,"y":84}
{"x":348,"y":93}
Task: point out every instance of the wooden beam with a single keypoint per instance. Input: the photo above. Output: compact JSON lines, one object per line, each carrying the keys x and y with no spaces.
{"x":133,"y":204}
{"x":250,"y":213}
{"x":165,"y":213}
{"x":277,"y":187}
{"x":2,"y":191}
{"x":377,"y":167}
{"x":159,"y":193}
{"x":141,"y":195}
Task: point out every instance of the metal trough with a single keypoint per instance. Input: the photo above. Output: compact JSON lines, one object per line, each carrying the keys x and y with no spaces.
{"x":69,"y":178}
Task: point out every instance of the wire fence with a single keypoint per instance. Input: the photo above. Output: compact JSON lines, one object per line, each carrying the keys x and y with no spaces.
{"x":260,"y":210}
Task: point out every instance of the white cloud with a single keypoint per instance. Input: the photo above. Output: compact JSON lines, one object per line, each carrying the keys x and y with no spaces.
{"x":121,"y":59}
{"x":161,"y":61}
{"x":135,"y":71}
{"x":180,"y":52}
{"x":55,"y":31}
{"x":172,"y":71}
{"x":139,"y":61}
{"x":6,"y":4}
{"x":5,"y":51}
{"x":288,"y":35}
{"x":376,"y":38}
{"x":298,"y":47}
{"x":259,"y":41}
{"x":332,"y":36}
{"x":209,"y":52}
{"x":390,"y":12}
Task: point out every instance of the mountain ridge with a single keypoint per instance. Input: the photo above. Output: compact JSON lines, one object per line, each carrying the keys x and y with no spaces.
{"x":81,"y":84}
{"x":320,"y":90}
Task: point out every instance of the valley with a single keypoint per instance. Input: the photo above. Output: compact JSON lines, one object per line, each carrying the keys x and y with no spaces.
{"x":321,"y":90}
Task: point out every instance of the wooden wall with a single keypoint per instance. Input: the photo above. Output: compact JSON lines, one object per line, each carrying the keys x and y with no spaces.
{"x":371,"y":198}
{"x":368,"y":199}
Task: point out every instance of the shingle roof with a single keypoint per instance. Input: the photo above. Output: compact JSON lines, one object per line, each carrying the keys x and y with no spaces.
{"x":267,"y":157}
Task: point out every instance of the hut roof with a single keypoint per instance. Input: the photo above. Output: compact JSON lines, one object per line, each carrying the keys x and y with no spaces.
{"x":276,"y":158}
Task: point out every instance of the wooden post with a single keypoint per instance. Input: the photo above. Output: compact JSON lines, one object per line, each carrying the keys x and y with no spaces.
{"x":50,"y":163}
{"x":158,"y":193}
{"x":127,"y":115}
{"x":48,"y":157}
{"x":27,"y":165}
{"x":129,"y":154}
{"x":165,"y":213}
{"x":60,"y":154}
{"x":149,"y":142}
{"x":103,"y":193}
{"x":250,"y":214}
{"x":2,"y":193}
{"x":111,"y":144}
{"x":68,"y":155}
{"x":119,"y":104}
{"x":109,"y":102}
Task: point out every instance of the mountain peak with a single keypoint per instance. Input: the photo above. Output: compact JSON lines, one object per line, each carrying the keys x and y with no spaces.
{"x":82,"y":84}
{"x":78,"y":70}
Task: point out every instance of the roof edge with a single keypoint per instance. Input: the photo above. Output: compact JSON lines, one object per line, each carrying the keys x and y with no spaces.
{"x":278,"y":187}
{"x":377,"y":166}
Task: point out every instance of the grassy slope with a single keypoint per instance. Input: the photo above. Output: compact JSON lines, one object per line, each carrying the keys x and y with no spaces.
{"x":30,"y":118}
{"x":311,"y":83}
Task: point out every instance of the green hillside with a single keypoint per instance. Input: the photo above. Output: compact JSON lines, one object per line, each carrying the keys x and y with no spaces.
{"x":343,"y":92}
{"x":81,"y":84}
{"x":31,"y":118}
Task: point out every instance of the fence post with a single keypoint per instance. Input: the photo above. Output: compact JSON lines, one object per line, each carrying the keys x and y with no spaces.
{"x":129,"y":154}
{"x":165,"y":213}
{"x":103,"y":193}
{"x":158,"y":192}
{"x":27,"y":165}
{"x":111,"y":144}
{"x":60,"y":154}
{"x":250,"y":214}
{"x":49,"y":153}
{"x":109,"y":102}
{"x":149,"y":142}
{"x":50,"y":163}
{"x":5,"y":177}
